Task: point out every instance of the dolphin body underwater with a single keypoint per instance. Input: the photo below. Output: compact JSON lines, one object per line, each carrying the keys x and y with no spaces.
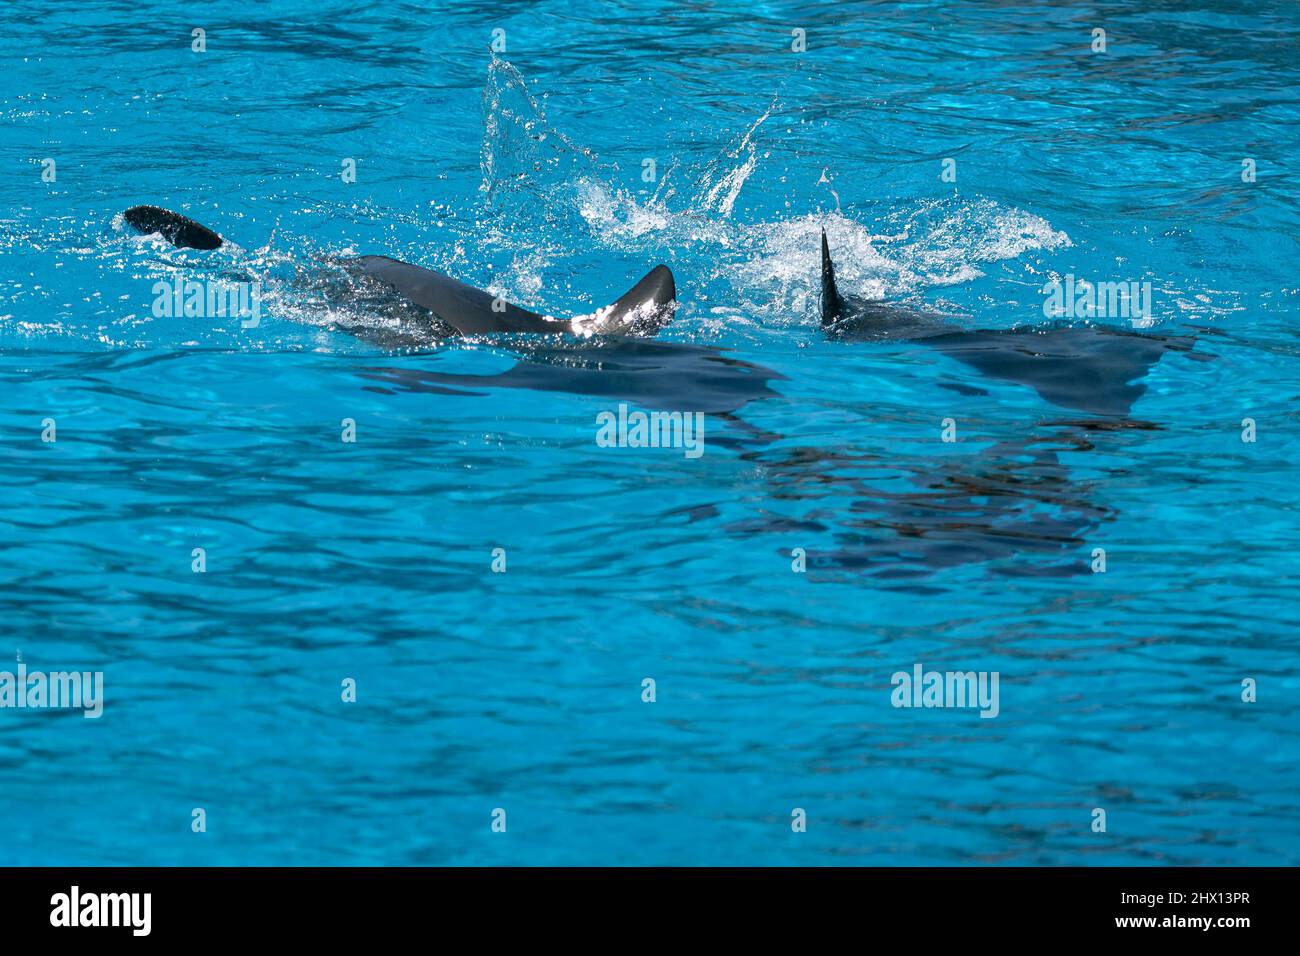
{"x":451,"y":305}
{"x":1089,"y":368}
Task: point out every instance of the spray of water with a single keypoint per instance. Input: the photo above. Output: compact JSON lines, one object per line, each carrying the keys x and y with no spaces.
{"x":764,"y":272}
{"x":548,"y":201}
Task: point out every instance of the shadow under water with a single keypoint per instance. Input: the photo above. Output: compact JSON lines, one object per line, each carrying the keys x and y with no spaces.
{"x":666,"y":376}
{"x":1013,"y":503}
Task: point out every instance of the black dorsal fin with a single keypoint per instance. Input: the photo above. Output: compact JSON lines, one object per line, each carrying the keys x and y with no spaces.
{"x":831,"y":304}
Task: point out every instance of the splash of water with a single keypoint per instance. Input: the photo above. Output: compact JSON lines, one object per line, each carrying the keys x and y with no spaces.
{"x":720,"y":184}
{"x":543,"y":189}
{"x":768,"y":269}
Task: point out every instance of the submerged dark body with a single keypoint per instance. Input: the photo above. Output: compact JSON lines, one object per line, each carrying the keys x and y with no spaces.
{"x":1090,"y":368}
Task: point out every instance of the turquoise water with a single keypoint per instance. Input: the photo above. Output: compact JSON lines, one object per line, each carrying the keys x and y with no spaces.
{"x":526,"y":173}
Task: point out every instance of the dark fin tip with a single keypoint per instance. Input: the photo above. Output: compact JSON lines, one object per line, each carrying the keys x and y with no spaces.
{"x":830,"y":295}
{"x":181,"y":231}
{"x":668,"y":286}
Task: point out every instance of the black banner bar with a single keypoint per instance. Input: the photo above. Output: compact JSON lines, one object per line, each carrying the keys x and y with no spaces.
{"x":331,"y":905}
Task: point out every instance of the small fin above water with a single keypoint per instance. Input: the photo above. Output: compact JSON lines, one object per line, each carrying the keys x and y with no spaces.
{"x":831,"y":305}
{"x":181,"y":231}
{"x":642,"y":310}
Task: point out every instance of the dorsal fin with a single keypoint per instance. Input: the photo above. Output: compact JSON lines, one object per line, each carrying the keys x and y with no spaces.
{"x":641,"y":310}
{"x":831,"y":304}
{"x":181,"y":231}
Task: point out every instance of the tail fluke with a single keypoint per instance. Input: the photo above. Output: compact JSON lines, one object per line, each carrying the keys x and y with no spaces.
{"x":181,"y":231}
{"x":831,"y":304}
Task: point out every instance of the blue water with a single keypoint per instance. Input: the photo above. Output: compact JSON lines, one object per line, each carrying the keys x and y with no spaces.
{"x":523,"y":173}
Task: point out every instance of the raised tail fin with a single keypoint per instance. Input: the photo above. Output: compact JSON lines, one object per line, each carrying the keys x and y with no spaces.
{"x":181,"y":231}
{"x":831,"y":304}
{"x":643,"y":310}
